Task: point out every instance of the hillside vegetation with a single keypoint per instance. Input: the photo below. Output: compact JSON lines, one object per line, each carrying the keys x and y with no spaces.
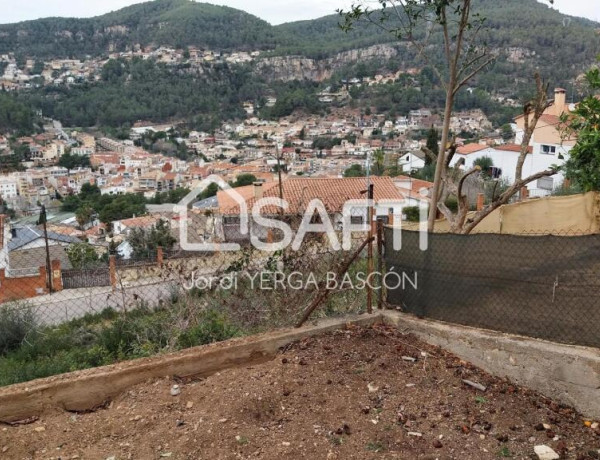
{"x":526,"y":36}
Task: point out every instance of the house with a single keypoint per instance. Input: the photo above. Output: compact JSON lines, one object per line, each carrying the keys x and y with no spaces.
{"x":505,"y":158}
{"x":411,"y":161}
{"x":124,"y":227}
{"x":548,"y":146}
{"x":8,"y":188}
{"x":415,"y":191}
{"x":25,"y":250}
{"x":298,"y":192}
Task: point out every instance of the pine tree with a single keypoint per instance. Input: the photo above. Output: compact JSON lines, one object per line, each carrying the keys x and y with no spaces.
{"x":432,"y":144}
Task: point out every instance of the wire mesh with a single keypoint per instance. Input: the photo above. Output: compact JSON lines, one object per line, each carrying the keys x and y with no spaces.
{"x":543,"y":286}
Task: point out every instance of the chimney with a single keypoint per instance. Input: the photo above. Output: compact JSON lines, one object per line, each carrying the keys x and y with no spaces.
{"x":258,"y":190}
{"x":560,"y":101}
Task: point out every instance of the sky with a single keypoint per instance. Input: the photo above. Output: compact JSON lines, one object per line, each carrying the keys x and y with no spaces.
{"x":274,"y":11}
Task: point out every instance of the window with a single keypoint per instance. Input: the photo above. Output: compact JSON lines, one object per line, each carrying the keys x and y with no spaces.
{"x":546,"y":183}
{"x":548,"y":149}
{"x":356,"y":220}
{"x":231,"y":220}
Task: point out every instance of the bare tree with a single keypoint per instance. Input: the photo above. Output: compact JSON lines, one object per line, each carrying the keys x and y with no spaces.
{"x":415,"y":21}
{"x":453,"y":178}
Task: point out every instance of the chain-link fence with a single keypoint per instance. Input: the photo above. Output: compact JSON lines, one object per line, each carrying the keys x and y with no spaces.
{"x":62,"y":310}
{"x":544,"y":286}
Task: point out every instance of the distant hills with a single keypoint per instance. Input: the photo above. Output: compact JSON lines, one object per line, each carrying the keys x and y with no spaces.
{"x":526,"y":35}
{"x":178,"y":23}
{"x":181,"y":23}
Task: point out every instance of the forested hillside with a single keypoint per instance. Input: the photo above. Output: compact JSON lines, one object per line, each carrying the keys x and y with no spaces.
{"x":510,"y":23}
{"x":526,"y":36}
{"x":138,"y":89}
{"x":178,"y":23}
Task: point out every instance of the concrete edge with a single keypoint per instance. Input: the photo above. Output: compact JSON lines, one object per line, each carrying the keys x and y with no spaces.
{"x":569,"y":374}
{"x":88,"y":389}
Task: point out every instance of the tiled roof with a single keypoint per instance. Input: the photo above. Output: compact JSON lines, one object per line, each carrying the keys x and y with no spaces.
{"x":144,"y":221}
{"x":512,"y":148}
{"x":333,"y":193}
{"x":550,"y":119}
{"x":470,"y":148}
{"x":416,"y":184}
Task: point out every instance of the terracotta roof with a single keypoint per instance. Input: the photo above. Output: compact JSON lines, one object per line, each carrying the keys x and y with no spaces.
{"x":227,"y":205}
{"x":470,"y":148}
{"x":144,"y":221}
{"x":333,"y":193}
{"x":416,"y":184}
{"x":512,"y":148}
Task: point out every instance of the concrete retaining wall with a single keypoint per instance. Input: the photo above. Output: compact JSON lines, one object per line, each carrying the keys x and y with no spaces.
{"x":569,"y":374}
{"x":85,"y":390}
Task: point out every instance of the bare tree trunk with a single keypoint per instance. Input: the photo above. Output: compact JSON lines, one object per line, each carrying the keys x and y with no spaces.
{"x":441,"y":159}
{"x":532,"y":112}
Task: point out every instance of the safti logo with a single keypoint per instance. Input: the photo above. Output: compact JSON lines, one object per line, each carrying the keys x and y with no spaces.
{"x":182,"y":209}
{"x":352,"y":219}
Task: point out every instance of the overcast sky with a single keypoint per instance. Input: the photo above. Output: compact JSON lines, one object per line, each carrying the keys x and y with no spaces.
{"x":274,"y":11}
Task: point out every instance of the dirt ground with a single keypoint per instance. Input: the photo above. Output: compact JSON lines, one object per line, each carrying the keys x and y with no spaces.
{"x":353,"y":394}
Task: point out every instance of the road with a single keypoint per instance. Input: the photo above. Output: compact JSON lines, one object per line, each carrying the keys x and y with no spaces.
{"x":52,"y":309}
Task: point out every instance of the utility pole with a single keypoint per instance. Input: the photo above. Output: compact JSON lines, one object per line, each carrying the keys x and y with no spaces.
{"x":279,"y":174}
{"x":48,"y":263}
{"x":370,"y":250}
{"x":370,"y":245}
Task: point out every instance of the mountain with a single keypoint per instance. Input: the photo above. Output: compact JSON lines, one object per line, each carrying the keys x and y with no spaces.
{"x":177,"y":23}
{"x":511,"y":23}
{"x":299,"y":60}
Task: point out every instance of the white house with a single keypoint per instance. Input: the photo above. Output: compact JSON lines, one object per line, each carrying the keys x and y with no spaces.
{"x":411,"y":161}
{"x":504,"y":158}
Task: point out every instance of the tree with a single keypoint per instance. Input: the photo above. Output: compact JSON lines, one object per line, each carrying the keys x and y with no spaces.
{"x":71,"y":161}
{"x":583,"y":165}
{"x":454,"y":178}
{"x":210,"y":191}
{"x":484,"y":163}
{"x":506,"y":132}
{"x":378,"y":165}
{"x":243,"y":180}
{"x":432,"y":144}
{"x":355,"y":171}
{"x":145,"y":242}
{"x":81,"y":255}
{"x":83,"y":215}
{"x":464,"y":57}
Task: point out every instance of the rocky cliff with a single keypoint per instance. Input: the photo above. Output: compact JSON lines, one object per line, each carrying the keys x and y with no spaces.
{"x":289,"y":68}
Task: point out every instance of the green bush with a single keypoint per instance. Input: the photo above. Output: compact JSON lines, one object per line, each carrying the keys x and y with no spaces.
{"x":412,"y":213}
{"x":17,"y":323}
{"x":30,"y":352}
{"x":452,"y":204}
{"x":212,"y":327}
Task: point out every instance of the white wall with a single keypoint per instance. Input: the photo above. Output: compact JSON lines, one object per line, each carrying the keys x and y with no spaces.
{"x":507,"y":161}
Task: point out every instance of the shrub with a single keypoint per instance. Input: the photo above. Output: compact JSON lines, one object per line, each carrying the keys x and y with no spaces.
{"x":412,"y":213}
{"x":452,"y":204}
{"x":212,"y":327}
{"x":17,"y":323}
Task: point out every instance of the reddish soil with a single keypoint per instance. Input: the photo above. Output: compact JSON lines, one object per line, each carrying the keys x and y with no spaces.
{"x":345,"y":395}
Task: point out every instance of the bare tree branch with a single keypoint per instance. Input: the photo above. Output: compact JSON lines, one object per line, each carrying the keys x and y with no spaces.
{"x":474,"y":72}
{"x":503,"y":199}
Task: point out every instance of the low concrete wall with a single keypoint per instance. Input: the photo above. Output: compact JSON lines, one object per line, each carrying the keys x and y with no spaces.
{"x":85,"y":390}
{"x":570,"y":374}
